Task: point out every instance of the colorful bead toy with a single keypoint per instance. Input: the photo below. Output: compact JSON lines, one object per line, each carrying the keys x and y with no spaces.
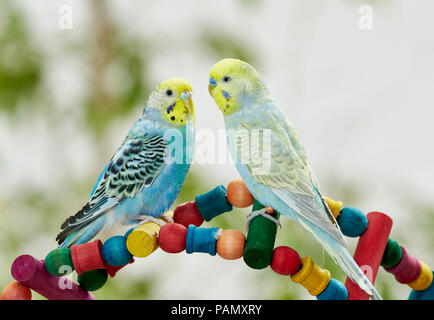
{"x":93,"y":261}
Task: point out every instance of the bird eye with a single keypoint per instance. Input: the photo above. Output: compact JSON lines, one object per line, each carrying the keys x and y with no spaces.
{"x":169,"y":92}
{"x":227,"y":79}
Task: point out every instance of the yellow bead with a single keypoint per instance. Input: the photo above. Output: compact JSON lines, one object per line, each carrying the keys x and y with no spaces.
{"x":144,"y":240}
{"x":335,"y":206}
{"x":312,"y":277}
{"x":424,"y":279}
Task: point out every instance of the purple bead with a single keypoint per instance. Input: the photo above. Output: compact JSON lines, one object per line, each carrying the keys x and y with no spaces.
{"x":31,"y":272}
{"x":407,"y":270}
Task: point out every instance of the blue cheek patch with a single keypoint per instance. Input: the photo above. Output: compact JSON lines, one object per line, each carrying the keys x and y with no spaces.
{"x":226,"y":95}
{"x":212,"y":82}
{"x":170,"y":109}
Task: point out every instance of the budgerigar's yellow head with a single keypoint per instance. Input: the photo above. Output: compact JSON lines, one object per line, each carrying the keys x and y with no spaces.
{"x":172,"y":98}
{"x":233,"y":82}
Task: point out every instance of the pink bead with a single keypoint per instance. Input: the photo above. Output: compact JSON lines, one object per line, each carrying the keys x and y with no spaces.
{"x":31,"y":273}
{"x":407,"y":270}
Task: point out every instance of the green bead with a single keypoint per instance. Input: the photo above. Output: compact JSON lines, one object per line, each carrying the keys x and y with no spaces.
{"x":258,"y":250}
{"x":392,"y":254}
{"x":92,"y":280}
{"x":58,"y":262}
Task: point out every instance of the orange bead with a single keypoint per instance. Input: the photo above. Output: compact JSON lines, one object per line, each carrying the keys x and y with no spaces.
{"x":230,"y":244}
{"x":238,"y":195}
{"x":16,"y":291}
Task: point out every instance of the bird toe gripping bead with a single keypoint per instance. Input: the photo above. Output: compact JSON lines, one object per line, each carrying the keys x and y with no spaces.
{"x":230,"y":244}
{"x":261,"y":236}
{"x":187,"y":214}
{"x":16,"y":291}
{"x":311,"y":276}
{"x":201,"y":240}
{"x":213,"y":203}
{"x":285,"y":261}
{"x":238,"y":195}
{"x":352,"y":222}
{"x":115,"y":251}
{"x":172,"y":237}
{"x":59,"y":262}
{"x":87,"y":256}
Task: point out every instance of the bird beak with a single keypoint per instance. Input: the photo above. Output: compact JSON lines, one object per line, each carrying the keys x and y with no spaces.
{"x":186,"y":96}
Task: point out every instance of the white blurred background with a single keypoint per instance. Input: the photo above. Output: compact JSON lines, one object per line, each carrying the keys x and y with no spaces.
{"x":362,"y":100}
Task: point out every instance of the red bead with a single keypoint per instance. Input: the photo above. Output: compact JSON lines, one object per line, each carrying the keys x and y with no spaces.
{"x":87,"y":256}
{"x":172,"y":237}
{"x":112,"y":270}
{"x":187,"y":214}
{"x":285,"y":261}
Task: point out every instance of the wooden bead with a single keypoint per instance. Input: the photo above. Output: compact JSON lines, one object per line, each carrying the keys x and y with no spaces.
{"x":335,"y":206}
{"x":312,"y":277}
{"x":369,"y":251}
{"x":392,"y":254}
{"x":258,"y":250}
{"x":230,"y":244}
{"x":352,"y":222}
{"x":285,"y":261}
{"x":427,"y":294}
{"x":32,"y":273}
{"x":407,"y":270}
{"x":87,"y":256}
{"x":187,"y":214}
{"x":172,"y":237}
{"x":115,"y":251}
{"x":58,"y":262}
{"x":16,"y":291}
{"x":92,"y":280}
{"x":143,"y":240}
{"x":424,"y":280}
{"x":335,"y":290}
{"x":213,"y":203}
{"x":238,"y":195}
{"x":201,"y":240}
{"x":112,"y":270}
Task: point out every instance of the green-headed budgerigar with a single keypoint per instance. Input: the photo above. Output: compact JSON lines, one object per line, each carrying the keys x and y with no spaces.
{"x":144,"y":177}
{"x":282,"y":179}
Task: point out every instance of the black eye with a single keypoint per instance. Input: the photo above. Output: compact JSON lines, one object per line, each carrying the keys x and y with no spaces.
{"x":172,"y":118}
{"x":227,"y":79}
{"x":169,"y":92}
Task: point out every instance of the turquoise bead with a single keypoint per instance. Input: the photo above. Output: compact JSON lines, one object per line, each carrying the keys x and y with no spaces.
{"x":115,"y":252}
{"x":201,"y":240}
{"x":352,"y":221}
{"x":213,"y":203}
{"x":335,"y":290}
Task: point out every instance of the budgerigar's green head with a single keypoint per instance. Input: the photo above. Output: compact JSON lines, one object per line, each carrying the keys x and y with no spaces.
{"x":172,"y":99}
{"x":233,"y":82}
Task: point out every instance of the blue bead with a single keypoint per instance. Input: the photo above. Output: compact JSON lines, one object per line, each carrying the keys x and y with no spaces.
{"x":201,"y":240}
{"x":115,"y":252}
{"x":335,"y":290}
{"x":213,"y":203}
{"x":352,"y":221}
{"x":427,"y":294}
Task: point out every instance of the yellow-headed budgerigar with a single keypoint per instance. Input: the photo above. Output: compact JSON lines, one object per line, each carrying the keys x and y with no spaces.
{"x":144,"y":177}
{"x":283,"y":179}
